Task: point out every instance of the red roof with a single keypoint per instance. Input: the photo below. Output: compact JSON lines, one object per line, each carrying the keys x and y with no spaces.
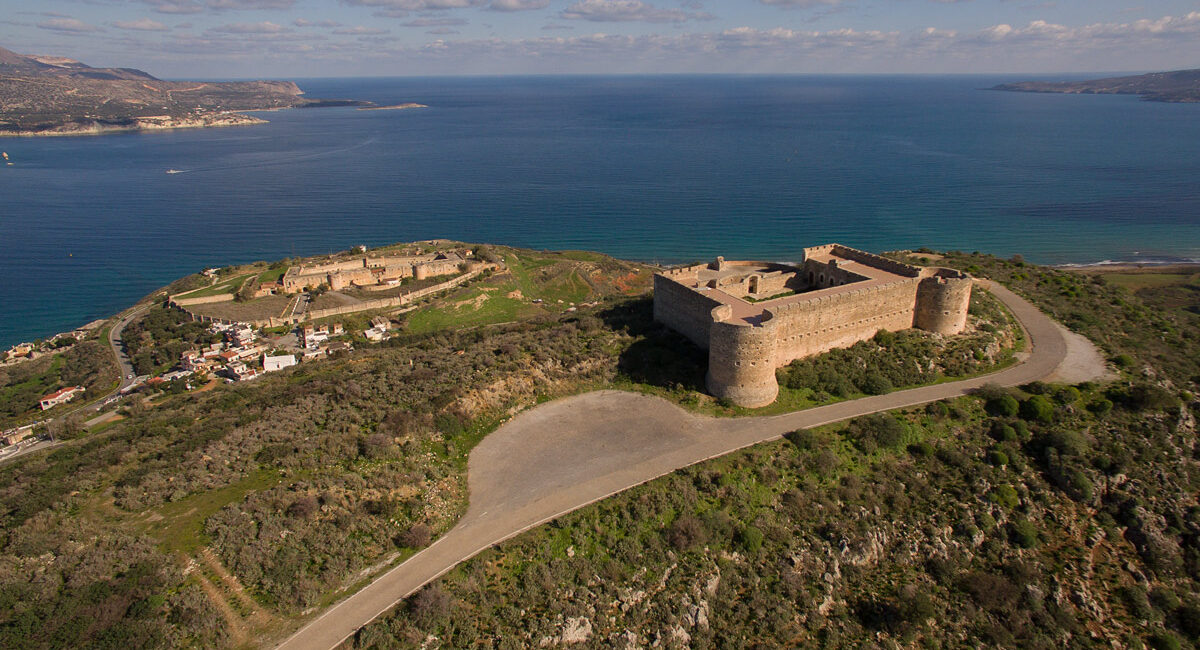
{"x":62,"y":391}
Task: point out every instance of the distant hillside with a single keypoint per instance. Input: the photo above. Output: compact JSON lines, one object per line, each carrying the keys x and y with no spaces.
{"x":46,"y":95}
{"x":1177,"y":86}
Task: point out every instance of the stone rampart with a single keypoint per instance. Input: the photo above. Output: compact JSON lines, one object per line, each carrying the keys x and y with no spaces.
{"x":741,"y":363}
{"x":683,"y":309}
{"x":809,"y":327}
{"x":875,"y":261}
{"x":201,"y":300}
{"x":366,"y":305}
{"x":943,"y":300}
{"x":746,"y":345}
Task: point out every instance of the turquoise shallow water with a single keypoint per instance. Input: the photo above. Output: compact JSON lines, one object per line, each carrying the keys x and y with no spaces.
{"x":654,"y":168}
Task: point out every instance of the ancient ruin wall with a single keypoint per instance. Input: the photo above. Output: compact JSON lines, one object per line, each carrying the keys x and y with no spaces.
{"x":942,"y":302}
{"x":842,"y":319}
{"x":683,"y":309}
{"x":741,"y":363}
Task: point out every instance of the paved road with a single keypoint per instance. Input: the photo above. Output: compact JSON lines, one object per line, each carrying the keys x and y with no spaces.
{"x":123,"y":365}
{"x":566,"y":454}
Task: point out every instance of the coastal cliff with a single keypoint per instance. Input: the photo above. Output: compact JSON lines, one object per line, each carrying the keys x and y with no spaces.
{"x":57,"y":96}
{"x":1180,"y":86}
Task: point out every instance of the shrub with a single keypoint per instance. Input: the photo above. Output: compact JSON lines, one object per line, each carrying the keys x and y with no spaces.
{"x":997,"y":457}
{"x":303,"y":508}
{"x":1004,"y":406}
{"x":1100,"y":406}
{"x":429,"y":605}
{"x":875,"y":383}
{"x":1023,"y":533}
{"x":1004,"y":495}
{"x":1165,"y":640}
{"x":751,"y":539}
{"x":686,"y":532}
{"x":376,"y":445}
{"x":417,"y":536}
{"x":1038,"y":409}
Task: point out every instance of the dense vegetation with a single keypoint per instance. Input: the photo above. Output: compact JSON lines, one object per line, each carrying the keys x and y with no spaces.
{"x":89,"y":364}
{"x":155,"y":341}
{"x":1048,"y":514}
{"x":1042,"y":517}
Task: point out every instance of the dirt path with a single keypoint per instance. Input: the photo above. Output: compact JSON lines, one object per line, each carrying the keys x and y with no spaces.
{"x":566,"y":454}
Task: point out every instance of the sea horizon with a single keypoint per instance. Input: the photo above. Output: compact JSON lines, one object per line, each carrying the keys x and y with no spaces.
{"x":661,"y":168}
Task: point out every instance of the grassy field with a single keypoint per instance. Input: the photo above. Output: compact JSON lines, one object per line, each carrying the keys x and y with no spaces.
{"x":272,"y":275}
{"x":179,"y":525}
{"x":557,"y":280}
{"x":1135,"y":281}
{"x":225,"y":286}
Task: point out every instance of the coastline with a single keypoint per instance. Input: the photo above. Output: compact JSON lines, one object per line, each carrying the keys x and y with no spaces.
{"x":150,"y":123}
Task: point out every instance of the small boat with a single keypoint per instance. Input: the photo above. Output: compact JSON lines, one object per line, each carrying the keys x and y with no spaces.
{"x":174,"y":171}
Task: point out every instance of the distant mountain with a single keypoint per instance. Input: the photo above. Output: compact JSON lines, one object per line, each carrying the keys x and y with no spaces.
{"x":1177,"y":86}
{"x":47,"y":95}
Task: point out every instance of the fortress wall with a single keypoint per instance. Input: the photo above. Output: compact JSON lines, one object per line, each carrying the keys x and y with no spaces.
{"x":741,"y":363}
{"x":840,"y":320}
{"x":683,"y":309}
{"x":876,"y":261}
{"x":343,"y":279}
{"x":942,"y":304}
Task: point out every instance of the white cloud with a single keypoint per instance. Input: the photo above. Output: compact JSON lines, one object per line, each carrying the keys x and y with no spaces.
{"x":417,"y":5}
{"x":265,"y":27}
{"x":199,"y":6}
{"x":141,"y":25}
{"x":300,"y":22}
{"x":435,"y":22}
{"x":623,"y":11}
{"x":360,"y":30}
{"x":518,"y":5}
{"x":68,"y":25}
{"x":806,"y":3}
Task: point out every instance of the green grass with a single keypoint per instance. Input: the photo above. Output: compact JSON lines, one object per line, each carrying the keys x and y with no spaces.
{"x":454,"y":311}
{"x":1135,"y":281}
{"x":179,"y":525}
{"x":496,"y":308}
{"x":271,"y":275}
{"x":226,"y":286}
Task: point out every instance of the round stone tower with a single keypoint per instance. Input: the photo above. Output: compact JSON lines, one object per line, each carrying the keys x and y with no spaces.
{"x":741,"y":360}
{"x":942,"y":301}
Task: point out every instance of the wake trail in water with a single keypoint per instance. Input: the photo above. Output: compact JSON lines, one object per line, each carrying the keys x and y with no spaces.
{"x":278,"y":162}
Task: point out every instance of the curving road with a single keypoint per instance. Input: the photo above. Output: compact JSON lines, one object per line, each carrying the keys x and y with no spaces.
{"x":563,"y":455}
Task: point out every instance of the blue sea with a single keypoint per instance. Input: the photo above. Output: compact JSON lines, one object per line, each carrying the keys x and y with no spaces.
{"x":664,"y":169}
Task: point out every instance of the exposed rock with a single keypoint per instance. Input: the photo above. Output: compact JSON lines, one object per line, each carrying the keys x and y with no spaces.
{"x":577,"y":630}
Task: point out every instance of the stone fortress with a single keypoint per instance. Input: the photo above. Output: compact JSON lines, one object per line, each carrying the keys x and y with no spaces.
{"x":754,"y":317}
{"x":374,"y":272}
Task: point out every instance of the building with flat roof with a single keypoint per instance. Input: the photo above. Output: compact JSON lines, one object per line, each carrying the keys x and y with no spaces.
{"x":754,"y":317}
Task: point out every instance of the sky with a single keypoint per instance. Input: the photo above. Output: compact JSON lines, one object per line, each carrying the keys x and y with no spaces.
{"x":345,"y":38}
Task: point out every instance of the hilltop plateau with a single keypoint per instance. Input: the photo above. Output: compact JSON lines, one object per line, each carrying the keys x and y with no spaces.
{"x":42,"y":95}
{"x":206,"y":513}
{"x":1177,"y":86}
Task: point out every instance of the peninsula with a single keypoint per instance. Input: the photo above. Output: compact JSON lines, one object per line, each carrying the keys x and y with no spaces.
{"x":1178,"y":86}
{"x":41,"y":95}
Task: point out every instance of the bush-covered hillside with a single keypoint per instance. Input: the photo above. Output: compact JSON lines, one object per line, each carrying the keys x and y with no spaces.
{"x":1044,"y":517}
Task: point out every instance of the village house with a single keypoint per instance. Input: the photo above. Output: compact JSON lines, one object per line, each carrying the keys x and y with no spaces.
{"x":271,"y":364}
{"x":60,"y":396}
